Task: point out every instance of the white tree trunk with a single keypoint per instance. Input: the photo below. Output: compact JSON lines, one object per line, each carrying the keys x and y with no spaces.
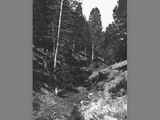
{"x":58,"y":35}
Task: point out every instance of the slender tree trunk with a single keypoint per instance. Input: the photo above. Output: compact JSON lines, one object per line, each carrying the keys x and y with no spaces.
{"x":85,"y":51}
{"x":92,"y":58}
{"x":73,"y":46}
{"x":58,"y":35}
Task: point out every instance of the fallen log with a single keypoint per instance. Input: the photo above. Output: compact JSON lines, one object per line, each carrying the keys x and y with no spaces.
{"x":105,"y":70}
{"x":119,"y":65}
{"x":42,"y":72}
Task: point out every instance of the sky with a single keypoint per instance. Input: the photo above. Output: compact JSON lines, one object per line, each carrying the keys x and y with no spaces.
{"x":106,"y":9}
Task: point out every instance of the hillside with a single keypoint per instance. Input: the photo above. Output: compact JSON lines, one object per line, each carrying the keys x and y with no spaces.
{"x":107,"y":100}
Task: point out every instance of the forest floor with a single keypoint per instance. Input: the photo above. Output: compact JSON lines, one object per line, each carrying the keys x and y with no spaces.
{"x":105,"y":100}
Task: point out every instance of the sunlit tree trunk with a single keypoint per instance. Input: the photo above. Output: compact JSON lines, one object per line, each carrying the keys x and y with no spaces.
{"x":92,"y":58}
{"x":58,"y":35}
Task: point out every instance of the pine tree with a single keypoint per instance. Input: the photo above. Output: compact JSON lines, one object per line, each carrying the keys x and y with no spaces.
{"x":120,"y":17}
{"x":81,"y":30}
{"x":46,"y":16}
{"x":95,"y":29}
{"x":115,"y":44}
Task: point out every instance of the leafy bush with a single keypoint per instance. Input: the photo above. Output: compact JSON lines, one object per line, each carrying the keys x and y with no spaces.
{"x":47,"y":106}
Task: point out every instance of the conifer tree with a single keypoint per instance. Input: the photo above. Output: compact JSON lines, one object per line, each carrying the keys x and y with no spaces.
{"x":95,"y":29}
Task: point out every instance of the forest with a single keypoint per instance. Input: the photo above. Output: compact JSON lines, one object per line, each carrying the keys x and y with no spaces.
{"x":79,"y":70}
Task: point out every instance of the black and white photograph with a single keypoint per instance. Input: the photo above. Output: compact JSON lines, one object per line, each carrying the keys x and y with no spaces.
{"x":79,"y":59}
